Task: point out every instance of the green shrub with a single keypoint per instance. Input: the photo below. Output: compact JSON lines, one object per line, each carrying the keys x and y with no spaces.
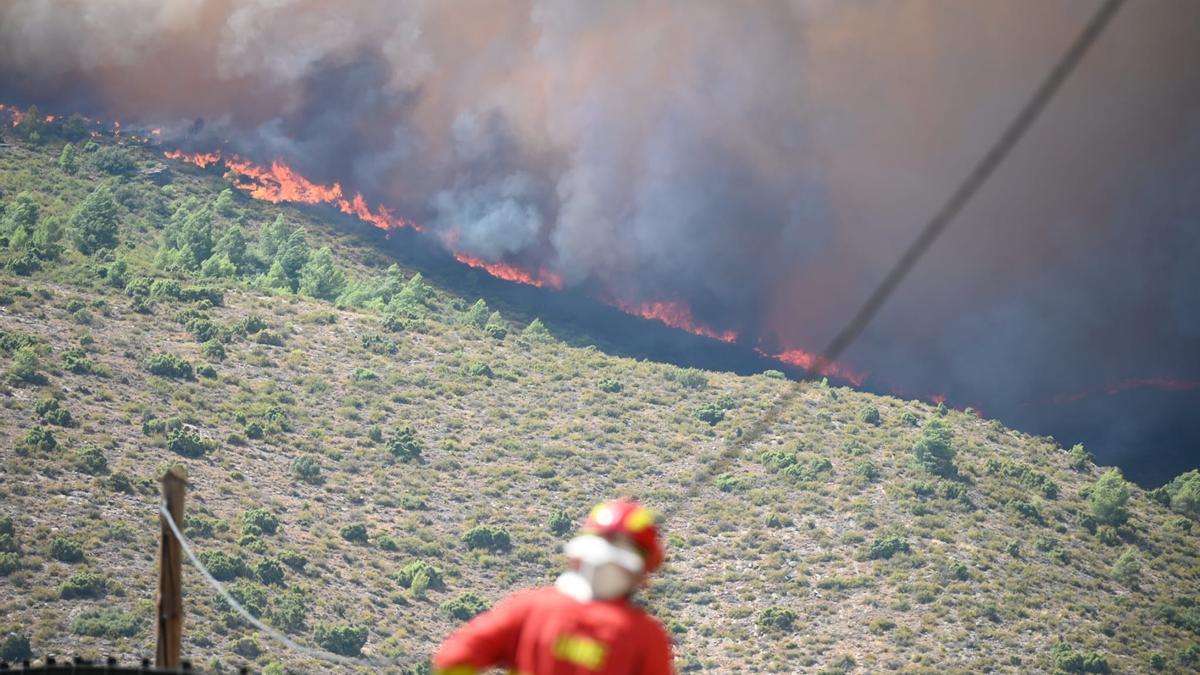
{"x":1027,"y":510}
{"x":186,"y":443}
{"x":106,"y":623}
{"x":1067,"y":660}
{"x":777,"y":619}
{"x":1108,"y":497}
{"x":608,"y":384}
{"x":83,"y":585}
{"x":869,"y":414}
{"x":344,"y":639}
{"x":774,"y":374}
{"x":26,"y":366}
{"x":728,"y":483}
{"x":250,"y":325}
{"x":958,"y":571}
{"x":14,"y":648}
{"x":51,"y":411}
{"x":223,"y":566}
{"x":268,"y":571}
{"x":39,"y":438}
{"x":1127,"y":570}
{"x":363,"y":375}
{"x":355,"y":532}
{"x":480,"y":370}
{"x":486,"y":537}
{"x":10,"y":561}
{"x":213,"y":349}
{"x":560,"y":523}
{"x":293,"y":559}
{"x":306,"y":467}
{"x":259,"y":521}
{"x":908,"y":419}
{"x":406,"y":576}
{"x":710,"y":413}
{"x":76,"y":361}
{"x":290,"y":610}
{"x":247,"y":646}
{"x":885,"y":547}
{"x":169,"y":365}
{"x":934,"y":452}
{"x":688,"y":378}
{"x":1183,"y":611}
{"x":867,"y":470}
{"x":465,"y":607}
{"x":536,"y":332}
{"x":270,"y":338}
{"x":404,"y":445}
{"x":206,"y":371}
{"x":66,"y":550}
{"x":379,"y":344}
{"x":1079,"y":458}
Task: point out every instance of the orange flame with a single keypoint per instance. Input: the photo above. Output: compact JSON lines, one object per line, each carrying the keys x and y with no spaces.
{"x":281,"y":183}
{"x":200,"y":159}
{"x":509,"y":272}
{"x":812,"y":362}
{"x":674,"y":314}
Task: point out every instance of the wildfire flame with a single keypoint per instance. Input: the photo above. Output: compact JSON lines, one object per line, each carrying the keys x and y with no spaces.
{"x":814,"y":363}
{"x":509,"y":272}
{"x":674,"y":314}
{"x":281,"y":183}
{"x":200,"y":159}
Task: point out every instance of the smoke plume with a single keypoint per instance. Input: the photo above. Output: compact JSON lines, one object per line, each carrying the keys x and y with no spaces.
{"x":760,"y":163}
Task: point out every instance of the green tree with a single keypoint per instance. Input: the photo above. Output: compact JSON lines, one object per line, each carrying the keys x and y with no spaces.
{"x":68,"y":161}
{"x":1183,"y":493}
{"x":232,"y":245}
{"x":320,"y":277}
{"x":20,"y":216}
{"x":934,"y":451}
{"x":477,"y":315}
{"x":292,"y":256}
{"x":536,"y":332}
{"x":274,"y":236}
{"x":1127,"y":569}
{"x":276,"y":277}
{"x":114,"y":160}
{"x":94,"y":222}
{"x":1108,"y":497}
{"x":187,"y":240}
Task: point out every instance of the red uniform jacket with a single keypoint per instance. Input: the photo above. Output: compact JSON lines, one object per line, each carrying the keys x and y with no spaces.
{"x":545,"y":632}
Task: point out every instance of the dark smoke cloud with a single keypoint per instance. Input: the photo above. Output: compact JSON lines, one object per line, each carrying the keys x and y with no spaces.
{"x":762,"y":161}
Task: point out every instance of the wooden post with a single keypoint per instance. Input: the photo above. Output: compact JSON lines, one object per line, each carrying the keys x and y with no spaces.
{"x":170,"y":592}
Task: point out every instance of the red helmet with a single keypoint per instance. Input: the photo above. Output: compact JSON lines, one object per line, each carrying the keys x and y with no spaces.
{"x":627,"y":517}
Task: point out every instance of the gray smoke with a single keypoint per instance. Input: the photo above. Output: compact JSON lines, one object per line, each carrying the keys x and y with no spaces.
{"x":762,"y":161}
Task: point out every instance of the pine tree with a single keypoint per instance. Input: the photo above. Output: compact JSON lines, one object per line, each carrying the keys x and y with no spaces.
{"x":934,"y":452}
{"x":477,"y":315}
{"x":94,"y":222}
{"x":320,"y":276}
{"x":68,"y":161}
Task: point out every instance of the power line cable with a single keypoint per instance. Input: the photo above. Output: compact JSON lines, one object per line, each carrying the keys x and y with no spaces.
{"x":925,"y":239}
{"x":255,"y":622}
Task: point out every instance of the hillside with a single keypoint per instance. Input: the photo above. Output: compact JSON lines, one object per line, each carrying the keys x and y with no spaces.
{"x":372,"y":457}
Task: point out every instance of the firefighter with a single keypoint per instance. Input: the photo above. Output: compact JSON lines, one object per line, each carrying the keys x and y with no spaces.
{"x":585,"y":622}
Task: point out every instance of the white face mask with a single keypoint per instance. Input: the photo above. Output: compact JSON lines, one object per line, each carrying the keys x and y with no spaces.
{"x":604,"y":570}
{"x":611,"y":581}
